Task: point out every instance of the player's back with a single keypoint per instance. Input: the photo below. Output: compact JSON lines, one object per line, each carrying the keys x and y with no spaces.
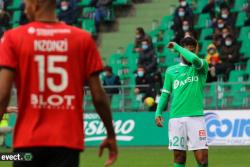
{"x":52,"y":62}
{"x":187,"y":90}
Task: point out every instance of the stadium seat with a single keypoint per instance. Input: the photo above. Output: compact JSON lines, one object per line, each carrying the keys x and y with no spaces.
{"x":205,"y":33}
{"x":16,"y":16}
{"x":204,"y":21}
{"x":15,"y":5}
{"x":245,"y":48}
{"x":116,"y":102}
{"x":238,"y":5}
{"x":241,"y":18}
{"x":166,"y":22}
{"x":244,"y":34}
{"x":203,"y":51}
{"x":83,"y":3}
{"x":89,"y":25}
{"x":200,"y":5}
{"x":122,"y":2}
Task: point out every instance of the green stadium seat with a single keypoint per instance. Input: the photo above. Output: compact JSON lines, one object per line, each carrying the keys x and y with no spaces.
{"x":241,"y":18}
{"x":210,"y":93}
{"x":15,"y":5}
{"x":244,"y":34}
{"x":200,"y":5}
{"x":89,"y":25}
{"x":205,"y":33}
{"x":166,"y":22}
{"x":116,"y":102}
{"x":203,"y":51}
{"x":83,"y":3}
{"x":236,"y":76}
{"x":247,"y":70}
{"x":238,"y":5}
{"x":16,"y":17}
{"x":245,"y":48}
{"x":122,"y":2}
{"x":111,"y":15}
{"x":204,"y":21}
{"x":167,"y":37}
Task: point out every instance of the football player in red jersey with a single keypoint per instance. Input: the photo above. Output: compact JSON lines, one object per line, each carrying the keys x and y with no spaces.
{"x":50,"y":63}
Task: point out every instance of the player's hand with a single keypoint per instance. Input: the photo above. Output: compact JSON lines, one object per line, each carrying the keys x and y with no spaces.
{"x":110,"y":144}
{"x":171,"y":45}
{"x":159,"y":121}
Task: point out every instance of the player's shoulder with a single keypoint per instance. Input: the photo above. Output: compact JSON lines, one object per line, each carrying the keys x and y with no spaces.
{"x":173,"y":68}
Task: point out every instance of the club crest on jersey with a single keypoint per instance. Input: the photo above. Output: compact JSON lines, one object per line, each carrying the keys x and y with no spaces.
{"x":178,"y":83}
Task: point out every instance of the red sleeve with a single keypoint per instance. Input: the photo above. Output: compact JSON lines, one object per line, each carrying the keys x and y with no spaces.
{"x":93,"y":62}
{"x":7,"y":53}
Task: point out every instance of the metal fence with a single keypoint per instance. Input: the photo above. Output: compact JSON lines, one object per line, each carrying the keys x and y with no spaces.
{"x":217,"y":95}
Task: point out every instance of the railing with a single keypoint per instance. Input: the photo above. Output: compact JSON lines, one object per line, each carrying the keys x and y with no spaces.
{"x":217,"y":95}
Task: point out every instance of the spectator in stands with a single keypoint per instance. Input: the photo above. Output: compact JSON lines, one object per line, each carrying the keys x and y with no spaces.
{"x":229,"y":53}
{"x":187,"y":9}
{"x":213,"y":60}
{"x":102,"y":10}
{"x":225,"y":14}
{"x":4,"y":18}
{"x":178,"y":19}
{"x":68,"y":11}
{"x":186,"y":28}
{"x":110,"y":79}
{"x":147,"y":57}
{"x":142,"y":78}
{"x":140,"y":35}
{"x":218,"y":28}
{"x":217,"y":41}
{"x":210,"y":8}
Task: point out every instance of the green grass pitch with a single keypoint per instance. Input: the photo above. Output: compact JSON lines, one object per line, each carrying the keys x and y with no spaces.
{"x":161,"y":157}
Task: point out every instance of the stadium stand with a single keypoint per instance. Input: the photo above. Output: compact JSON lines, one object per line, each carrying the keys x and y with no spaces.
{"x":232,"y":93}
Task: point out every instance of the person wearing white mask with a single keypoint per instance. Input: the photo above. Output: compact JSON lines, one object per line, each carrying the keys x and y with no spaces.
{"x":67,"y":12}
{"x":225,"y":14}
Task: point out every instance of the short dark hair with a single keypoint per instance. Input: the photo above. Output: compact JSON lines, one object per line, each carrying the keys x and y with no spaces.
{"x":188,"y":41}
{"x":140,"y":30}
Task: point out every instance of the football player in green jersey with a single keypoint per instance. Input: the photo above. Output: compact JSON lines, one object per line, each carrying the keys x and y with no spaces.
{"x":185,"y":83}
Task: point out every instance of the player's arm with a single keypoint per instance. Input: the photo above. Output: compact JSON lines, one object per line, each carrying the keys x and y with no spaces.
{"x":163,"y":100}
{"x":102,"y":106}
{"x":188,"y":55}
{"x":6,"y":81}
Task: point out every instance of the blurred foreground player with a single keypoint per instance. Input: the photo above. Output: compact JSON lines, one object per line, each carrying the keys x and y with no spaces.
{"x":51,"y":62}
{"x":185,"y":83}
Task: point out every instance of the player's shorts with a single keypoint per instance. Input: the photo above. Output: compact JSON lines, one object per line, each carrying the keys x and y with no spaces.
{"x":187,"y":133}
{"x":49,"y":157}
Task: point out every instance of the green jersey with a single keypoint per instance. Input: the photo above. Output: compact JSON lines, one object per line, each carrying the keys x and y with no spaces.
{"x":185,"y":84}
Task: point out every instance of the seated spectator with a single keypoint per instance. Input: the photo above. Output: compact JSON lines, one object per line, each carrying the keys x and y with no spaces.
{"x":225,"y":14}
{"x":217,"y":41}
{"x":219,"y":26}
{"x":147,"y":57}
{"x":229,"y":53}
{"x":186,"y":28}
{"x":142,"y":78}
{"x":188,"y":10}
{"x":212,"y":59}
{"x":110,"y":79}
{"x":210,"y":8}
{"x":102,"y":10}
{"x":68,"y":11}
{"x":178,"y":19}
{"x":140,"y":35}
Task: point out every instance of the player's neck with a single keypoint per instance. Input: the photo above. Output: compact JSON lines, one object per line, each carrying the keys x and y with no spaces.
{"x":47,"y":17}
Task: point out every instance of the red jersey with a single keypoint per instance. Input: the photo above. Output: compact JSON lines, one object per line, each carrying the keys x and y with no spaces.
{"x":53,"y":61}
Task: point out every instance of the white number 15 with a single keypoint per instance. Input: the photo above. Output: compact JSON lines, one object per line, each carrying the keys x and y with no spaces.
{"x":52,"y":69}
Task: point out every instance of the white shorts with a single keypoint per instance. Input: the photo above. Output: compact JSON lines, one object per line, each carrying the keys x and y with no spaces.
{"x":187,"y":133}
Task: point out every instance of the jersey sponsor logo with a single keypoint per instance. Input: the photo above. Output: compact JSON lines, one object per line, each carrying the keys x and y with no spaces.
{"x":51,"y":45}
{"x":95,"y":130}
{"x":48,"y":31}
{"x":178,"y":83}
{"x":234,"y":129}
